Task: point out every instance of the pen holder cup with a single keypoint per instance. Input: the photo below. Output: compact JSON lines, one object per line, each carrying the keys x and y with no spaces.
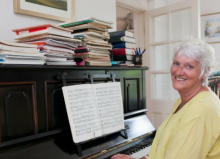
{"x":137,"y":60}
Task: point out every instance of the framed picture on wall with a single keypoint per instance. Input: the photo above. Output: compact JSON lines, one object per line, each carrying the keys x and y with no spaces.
{"x":61,"y":10}
{"x":210,"y":27}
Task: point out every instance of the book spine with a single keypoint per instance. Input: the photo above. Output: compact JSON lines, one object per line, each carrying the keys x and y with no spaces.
{"x":81,"y":56}
{"x":122,"y":58}
{"x":80,"y":48}
{"x":87,"y":63}
{"x":117,"y":33}
{"x":119,"y":45}
{"x":115,"y":40}
{"x":119,"y":51}
{"x":81,"y":51}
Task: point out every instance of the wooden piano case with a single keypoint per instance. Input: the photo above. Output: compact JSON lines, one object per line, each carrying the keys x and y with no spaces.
{"x":33,"y":119}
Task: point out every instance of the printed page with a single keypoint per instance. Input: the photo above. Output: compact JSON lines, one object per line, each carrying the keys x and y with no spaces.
{"x":82,"y":112}
{"x":110,"y":106}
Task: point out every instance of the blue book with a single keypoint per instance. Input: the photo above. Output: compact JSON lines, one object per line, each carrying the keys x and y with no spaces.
{"x":123,"y":45}
{"x":121,"y":33}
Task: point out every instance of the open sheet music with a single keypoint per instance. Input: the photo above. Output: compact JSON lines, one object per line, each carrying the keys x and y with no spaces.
{"x":94,"y":109}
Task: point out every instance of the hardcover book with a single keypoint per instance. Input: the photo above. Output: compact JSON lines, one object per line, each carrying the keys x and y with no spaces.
{"x":122,"y":51}
{"x":121,"y":39}
{"x":123,"y":45}
{"x":92,"y":112}
{"x":123,"y":57}
{"x":121,"y":33}
{"x":91,"y":20}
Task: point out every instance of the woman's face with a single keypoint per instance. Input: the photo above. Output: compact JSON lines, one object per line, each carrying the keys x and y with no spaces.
{"x":185,"y":74}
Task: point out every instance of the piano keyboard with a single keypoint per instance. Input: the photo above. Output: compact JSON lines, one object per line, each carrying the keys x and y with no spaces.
{"x":137,"y":151}
{"x":142,"y":152}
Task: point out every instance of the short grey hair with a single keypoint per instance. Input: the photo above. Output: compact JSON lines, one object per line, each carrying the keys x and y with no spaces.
{"x":199,"y":51}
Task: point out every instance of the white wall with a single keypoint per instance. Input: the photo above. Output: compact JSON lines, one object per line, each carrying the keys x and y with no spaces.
{"x":212,"y":7}
{"x":103,"y":9}
{"x":139,"y":4}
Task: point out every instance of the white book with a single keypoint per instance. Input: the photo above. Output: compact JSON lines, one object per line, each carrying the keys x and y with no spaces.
{"x":45,"y":37}
{"x":103,"y":43}
{"x":16,"y":53}
{"x":21,"y":61}
{"x":18,"y":49}
{"x":99,"y":47}
{"x":92,"y":112}
{"x":52,"y":48}
{"x":14,"y":44}
{"x":23,"y":57}
{"x":55,"y":59}
{"x":65,"y":63}
{"x":61,"y":44}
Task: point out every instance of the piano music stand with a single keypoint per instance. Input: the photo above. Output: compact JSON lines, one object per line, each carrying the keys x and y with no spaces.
{"x":91,"y":78}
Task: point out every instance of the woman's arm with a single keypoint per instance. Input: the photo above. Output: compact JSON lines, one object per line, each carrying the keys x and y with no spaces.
{"x":122,"y":156}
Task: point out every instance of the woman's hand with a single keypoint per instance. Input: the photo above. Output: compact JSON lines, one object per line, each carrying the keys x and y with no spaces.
{"x":121,"y":156}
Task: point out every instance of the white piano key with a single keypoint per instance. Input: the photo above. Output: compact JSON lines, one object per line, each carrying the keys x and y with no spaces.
{"x":141,"y":153}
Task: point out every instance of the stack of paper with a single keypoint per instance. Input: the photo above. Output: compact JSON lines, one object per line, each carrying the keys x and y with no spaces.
{"x":56,"y":43}
{"x":15,"y":53}
{"x":94,"y":36}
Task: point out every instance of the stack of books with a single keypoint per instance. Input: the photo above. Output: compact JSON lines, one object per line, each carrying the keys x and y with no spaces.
{"x":94,"y":35}
{"x":55,"y":42}
{"x":15,"y":53}
{"x":123,"y":44}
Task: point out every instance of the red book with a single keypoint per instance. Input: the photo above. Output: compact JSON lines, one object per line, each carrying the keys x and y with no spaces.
{"x":45,"y":29}
{"x":83,"y":53}
{"x":81,"y":48}
{"x":122,"y":51}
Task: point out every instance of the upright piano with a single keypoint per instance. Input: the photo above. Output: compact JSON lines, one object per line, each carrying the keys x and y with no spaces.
{"x":34,"y":122}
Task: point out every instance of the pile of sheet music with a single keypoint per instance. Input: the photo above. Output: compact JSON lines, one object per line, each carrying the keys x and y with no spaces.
{"x":94,"y":35}
{"x":15,"y":53}
{"x":55,"y":42}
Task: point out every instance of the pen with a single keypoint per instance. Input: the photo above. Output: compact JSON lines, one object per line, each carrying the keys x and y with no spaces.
{"x":137,"y":51}
{"x":133,"y":53}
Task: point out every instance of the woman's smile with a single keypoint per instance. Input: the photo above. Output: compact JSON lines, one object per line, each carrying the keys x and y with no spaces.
{"x":185,"y":74}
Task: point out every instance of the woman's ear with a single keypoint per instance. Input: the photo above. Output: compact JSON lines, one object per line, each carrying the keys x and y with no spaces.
{"x":205,"y":76}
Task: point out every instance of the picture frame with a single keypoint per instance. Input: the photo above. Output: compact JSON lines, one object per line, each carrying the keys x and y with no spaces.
{"x":210,"y":27}
{"x":62,"y":10}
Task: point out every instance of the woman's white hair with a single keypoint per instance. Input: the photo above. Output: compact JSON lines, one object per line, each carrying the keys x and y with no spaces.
{"x":199,"y":51}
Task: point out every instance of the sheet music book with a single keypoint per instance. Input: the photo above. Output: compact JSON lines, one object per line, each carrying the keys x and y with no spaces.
{"x":94,"y":109}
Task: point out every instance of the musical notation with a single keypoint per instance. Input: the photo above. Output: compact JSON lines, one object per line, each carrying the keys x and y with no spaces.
{"x":94,"y":109}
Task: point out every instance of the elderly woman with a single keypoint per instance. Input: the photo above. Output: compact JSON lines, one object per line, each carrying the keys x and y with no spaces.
{"x":192,"y":129}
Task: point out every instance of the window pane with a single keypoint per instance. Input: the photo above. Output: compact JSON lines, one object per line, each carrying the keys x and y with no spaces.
{"x":160,"y":28}
{"x":161,"y":86}
{"x":160,"y":58}
{"x":173,"y":45}
{"x":181,"y":24}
